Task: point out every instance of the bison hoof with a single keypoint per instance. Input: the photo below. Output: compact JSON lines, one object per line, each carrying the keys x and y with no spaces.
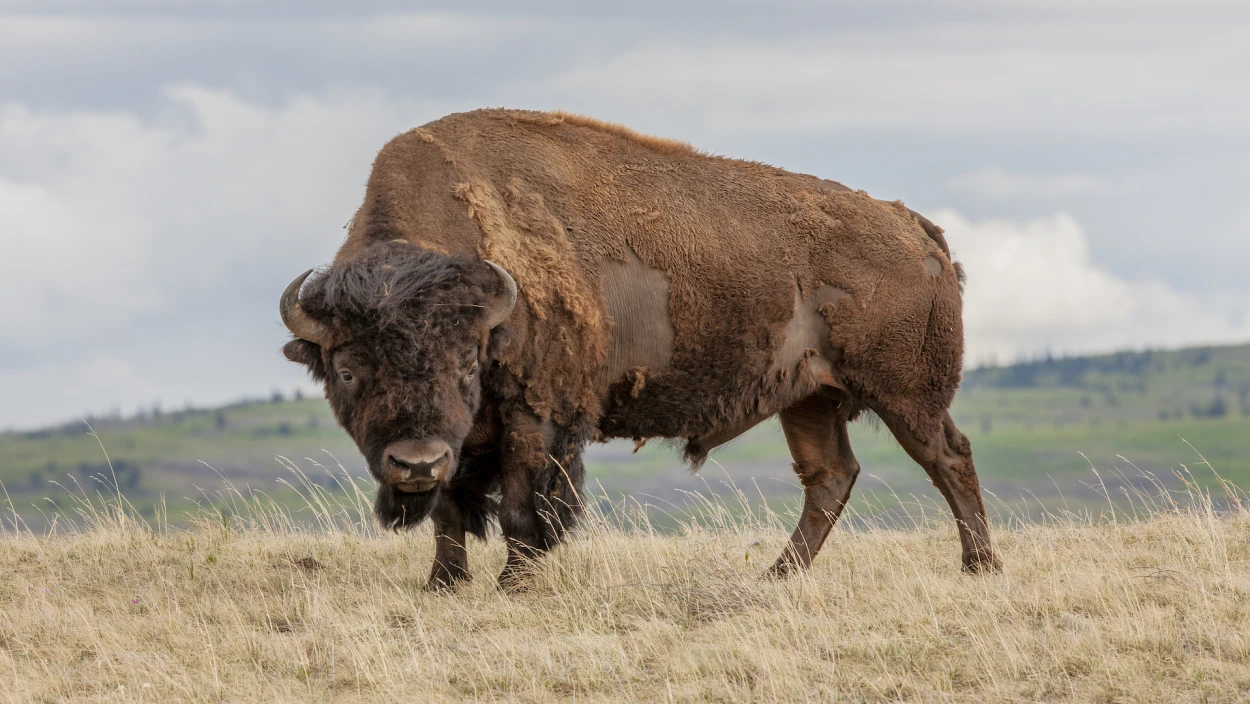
{"x":515,"y":580}
{"x":982,"y":563}
{"x":444,"y":579}
{"x":782,"y":569}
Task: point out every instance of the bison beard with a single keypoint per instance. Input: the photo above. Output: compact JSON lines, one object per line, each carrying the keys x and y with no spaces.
{"x":397,"y":509}
{"x":663,"y":293}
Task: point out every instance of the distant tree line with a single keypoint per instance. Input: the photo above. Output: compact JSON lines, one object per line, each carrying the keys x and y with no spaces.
{"x":155,"y":415}
{"x":90,"y":475}
{"x":1076,"y":372}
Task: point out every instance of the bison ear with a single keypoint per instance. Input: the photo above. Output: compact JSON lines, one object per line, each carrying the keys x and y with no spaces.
{"x":308,"y":354}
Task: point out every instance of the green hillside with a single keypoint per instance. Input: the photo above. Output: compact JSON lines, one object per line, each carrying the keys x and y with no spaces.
{"x":1032,"y":426}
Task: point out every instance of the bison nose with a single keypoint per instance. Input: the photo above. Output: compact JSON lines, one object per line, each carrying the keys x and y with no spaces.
{"x":414,"y":465}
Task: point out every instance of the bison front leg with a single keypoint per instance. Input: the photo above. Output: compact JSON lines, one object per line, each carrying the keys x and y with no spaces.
{"x":451,"y":559}
{"x":541,"y":479}
{"x":821,"y":448}
{"x":523,"y":459}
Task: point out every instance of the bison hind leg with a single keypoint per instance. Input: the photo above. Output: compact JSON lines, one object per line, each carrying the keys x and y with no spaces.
{"x":815,"y":430}
{"x":946,"y":455}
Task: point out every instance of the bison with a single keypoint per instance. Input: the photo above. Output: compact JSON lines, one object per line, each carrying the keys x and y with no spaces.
{"x":518,"y":284}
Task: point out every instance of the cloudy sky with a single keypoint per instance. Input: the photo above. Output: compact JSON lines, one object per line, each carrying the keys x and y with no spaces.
{"x":167,"y":167}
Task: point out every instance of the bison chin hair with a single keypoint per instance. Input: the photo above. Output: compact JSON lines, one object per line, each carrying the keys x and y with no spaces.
{"x":396,"y":509}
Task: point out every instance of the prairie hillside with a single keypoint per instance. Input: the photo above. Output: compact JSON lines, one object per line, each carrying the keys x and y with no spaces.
{"x":1036,"y":428}
{"x":249,"y":604}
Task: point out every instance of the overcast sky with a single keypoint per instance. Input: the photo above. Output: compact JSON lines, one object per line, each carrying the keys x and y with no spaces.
{"x":167,"y":167}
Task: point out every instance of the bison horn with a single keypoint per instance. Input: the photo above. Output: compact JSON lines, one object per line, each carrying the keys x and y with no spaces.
{"x":293,"y":316}
{"x":502,"y":309}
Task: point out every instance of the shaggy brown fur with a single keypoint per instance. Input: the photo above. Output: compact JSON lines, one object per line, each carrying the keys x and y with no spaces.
{"x":555,"y":198}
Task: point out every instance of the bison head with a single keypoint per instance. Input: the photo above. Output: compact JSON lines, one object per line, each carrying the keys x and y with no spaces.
{"x":399,"y":337}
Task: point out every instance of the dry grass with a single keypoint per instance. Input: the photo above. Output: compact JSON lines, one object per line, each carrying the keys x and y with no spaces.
{"x":251,"y":606}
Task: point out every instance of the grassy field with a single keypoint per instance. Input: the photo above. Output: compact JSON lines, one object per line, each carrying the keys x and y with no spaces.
{"x":252,"y":604}
{"x":1036,"y":428}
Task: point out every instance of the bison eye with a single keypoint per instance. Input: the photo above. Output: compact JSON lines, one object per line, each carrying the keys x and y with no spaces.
{"x":472,"y":369}
{"x":346,"y":376}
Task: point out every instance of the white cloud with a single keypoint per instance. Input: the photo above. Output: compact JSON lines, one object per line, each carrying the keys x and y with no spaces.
{"x":1033,"y":287}
{"x":105,"y":217}
{"x":63,"y":262}
{"x":160,"y":245}
{"x":1092,"y":77}
{"x":993,"y":183}
{"x":94,"y":384}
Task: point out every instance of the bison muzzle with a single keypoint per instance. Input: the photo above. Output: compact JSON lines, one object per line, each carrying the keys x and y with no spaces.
{"x":416,"y":466}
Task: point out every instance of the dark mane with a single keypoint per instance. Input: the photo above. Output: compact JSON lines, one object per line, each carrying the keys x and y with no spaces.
{"x":378,"y":291}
